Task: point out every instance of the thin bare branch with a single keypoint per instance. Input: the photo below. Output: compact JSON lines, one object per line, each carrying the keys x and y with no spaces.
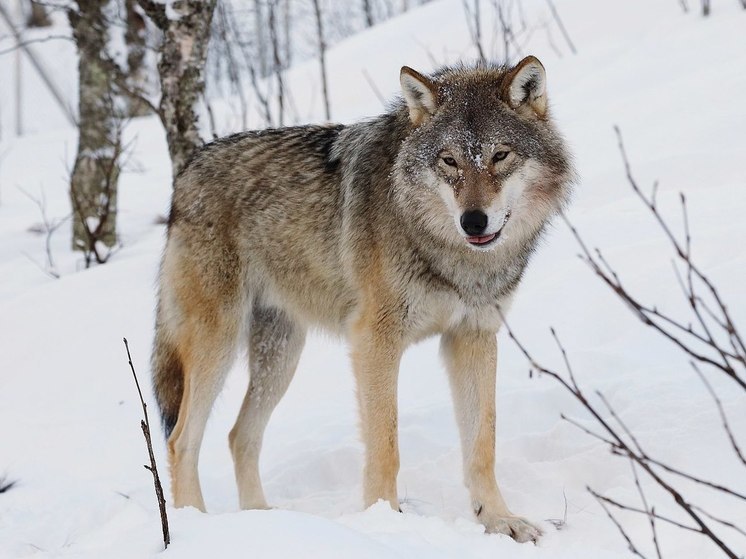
{"x":720,"y":520}
{"x":622,"y":506}
{"x":27,"y":42}
{"x":603,"y":501}
{"x":721,"y":411}
{"x":153,"y":467}
{"x":565,"y":34}
{"x":619,"y":446}
{"x":650,"y":511}
{"x":373,"y":86}
{"x":6,"y":485}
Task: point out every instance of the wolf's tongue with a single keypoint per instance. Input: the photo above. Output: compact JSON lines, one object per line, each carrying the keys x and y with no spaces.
{"x":480,"y":240}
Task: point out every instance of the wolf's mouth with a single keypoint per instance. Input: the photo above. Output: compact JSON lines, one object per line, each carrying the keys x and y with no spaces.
{"x":482,"y":241}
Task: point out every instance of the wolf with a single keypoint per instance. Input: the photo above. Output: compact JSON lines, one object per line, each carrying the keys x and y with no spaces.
{"x":416,"y":223}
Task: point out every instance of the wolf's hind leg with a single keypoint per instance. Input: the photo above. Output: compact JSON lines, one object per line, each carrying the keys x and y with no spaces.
{"x":207,"y":349}
{"x":471,"y":360}
{"x":275,"y":345}
{"x":200,"y":315}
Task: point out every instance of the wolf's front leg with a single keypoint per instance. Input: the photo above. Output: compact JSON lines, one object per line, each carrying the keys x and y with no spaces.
{"x":471,"y":360}
{"x":376,"y":352}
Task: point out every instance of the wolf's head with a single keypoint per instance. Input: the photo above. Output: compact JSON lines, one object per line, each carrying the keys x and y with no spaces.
{"x":482,"y":162}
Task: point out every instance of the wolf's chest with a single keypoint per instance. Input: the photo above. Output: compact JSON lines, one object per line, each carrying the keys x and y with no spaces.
{"x":439,"y":306}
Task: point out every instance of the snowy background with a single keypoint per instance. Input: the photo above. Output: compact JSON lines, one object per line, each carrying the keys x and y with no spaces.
{"x":69,"y":412}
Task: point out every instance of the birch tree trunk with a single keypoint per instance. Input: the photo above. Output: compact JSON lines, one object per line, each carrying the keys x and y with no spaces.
{"x":183,"y":53}
{"x":135,"y":37}
{"x":93,"y":185}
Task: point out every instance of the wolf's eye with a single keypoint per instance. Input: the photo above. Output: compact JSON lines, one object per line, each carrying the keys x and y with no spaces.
{"x":450,"y":161}
{"x":499,"y":156}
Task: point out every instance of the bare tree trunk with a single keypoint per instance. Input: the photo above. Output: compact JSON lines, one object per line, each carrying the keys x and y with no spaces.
{"x":478,"y":30}
{"x":474,"y":22}
{"x":93,"y":185}
{"x":287,"y":18}
{"x":225,"y":44}
{"x":135,"y":37}
{"x":565,"y":34}
{"x":38,"y":16}
{"x":505,"y":29}
{"x":705,"y":8}
{"x":19,"y":93}
{"x":368,"y":9}
{"x":261,"y":42}
{"x":181,"y":70}
{"x":36,"y":64}
{"x":322,"y":56}
{"x":276,"y":61}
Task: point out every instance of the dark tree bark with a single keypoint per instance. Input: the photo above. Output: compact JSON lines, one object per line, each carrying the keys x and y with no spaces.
{"x":38,"y":16}
{"x":135,"y":37}
{"x":181,"y":70}
{"x":368,"y":10}
{"x":93,"y":185}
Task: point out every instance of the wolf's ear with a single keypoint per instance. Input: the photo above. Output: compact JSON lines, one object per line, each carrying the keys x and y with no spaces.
{"x":419,"y":93}
{"x":525,"y":86}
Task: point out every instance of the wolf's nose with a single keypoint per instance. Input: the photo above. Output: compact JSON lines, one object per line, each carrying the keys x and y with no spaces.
{"x":474,"y":222}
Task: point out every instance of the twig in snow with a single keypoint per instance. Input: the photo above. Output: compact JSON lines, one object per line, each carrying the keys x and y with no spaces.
{"x":634,"y":452}
{"x":153,"y":468}
{"x":560,"y":523}
{"x":48,"y":228}
{"x":603,"y":501}
{"x":716,"y":342}
{"x":6,"y":485}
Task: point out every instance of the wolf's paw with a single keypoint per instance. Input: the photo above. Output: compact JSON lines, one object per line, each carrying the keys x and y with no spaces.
{"x":520,"y":529}
{"x":254,"y":504}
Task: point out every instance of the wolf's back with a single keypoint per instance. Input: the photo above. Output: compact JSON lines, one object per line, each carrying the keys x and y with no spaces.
{"x":256,"y":192}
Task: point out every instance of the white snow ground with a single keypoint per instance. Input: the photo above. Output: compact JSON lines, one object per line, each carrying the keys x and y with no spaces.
{"x":69,"y":412}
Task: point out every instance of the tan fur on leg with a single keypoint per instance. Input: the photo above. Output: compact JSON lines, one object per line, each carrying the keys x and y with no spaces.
{"x":471,"y":360}
{"x":203,"y":324}
{"x":376,"y":343}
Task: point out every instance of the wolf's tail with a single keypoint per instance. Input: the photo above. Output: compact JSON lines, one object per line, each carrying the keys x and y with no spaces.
{"x":168,"y":374}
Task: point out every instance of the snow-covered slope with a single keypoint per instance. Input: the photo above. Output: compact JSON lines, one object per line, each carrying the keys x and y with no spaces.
{"x":69,"y":412}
